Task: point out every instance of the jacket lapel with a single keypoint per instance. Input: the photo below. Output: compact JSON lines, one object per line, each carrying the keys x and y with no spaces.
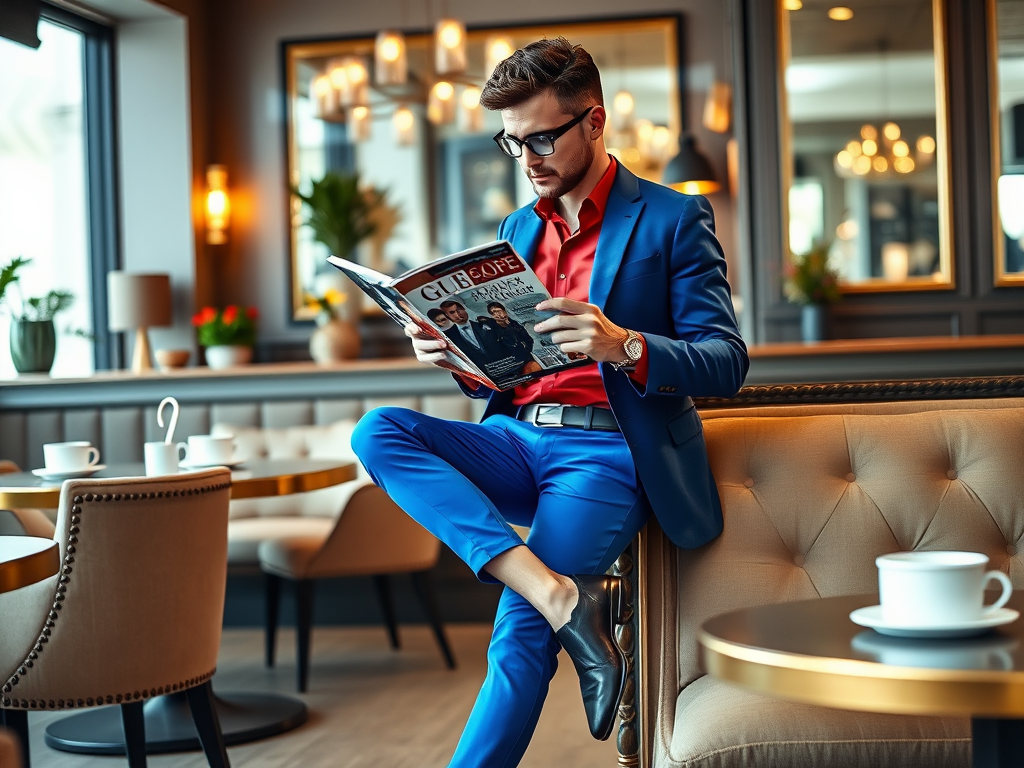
{"x":620,"y":217}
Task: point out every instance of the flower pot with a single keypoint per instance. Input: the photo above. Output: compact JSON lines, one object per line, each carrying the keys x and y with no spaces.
{"x":33,"y":345}
{"x":227,"y":355}
{"x":813,"y":322}
{"x":334,"y":340}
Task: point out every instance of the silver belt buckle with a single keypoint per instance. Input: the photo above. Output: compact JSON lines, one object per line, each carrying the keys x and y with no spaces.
{"x":546,"y":408}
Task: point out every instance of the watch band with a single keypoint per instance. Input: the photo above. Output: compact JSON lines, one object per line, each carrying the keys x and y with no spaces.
{"x":632,"y":340}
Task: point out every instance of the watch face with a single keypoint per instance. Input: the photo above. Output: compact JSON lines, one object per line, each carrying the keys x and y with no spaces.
{"x":634,"y":348}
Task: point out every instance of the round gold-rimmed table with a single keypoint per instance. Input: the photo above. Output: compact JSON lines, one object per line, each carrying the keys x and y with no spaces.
{"x":25,"y":560}
{"x":169,"y":727}
{"x":810,"y":651}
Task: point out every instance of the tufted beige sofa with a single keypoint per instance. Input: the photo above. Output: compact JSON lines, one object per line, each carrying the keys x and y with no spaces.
{"x":811,"y":495}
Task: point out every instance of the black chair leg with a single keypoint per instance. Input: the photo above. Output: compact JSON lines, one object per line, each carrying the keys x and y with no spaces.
{"x":272,"y":595}
{"x":425,"y":591}
{"x":303,"y":627}
{"x":17,"y":721}
{"x":204,"y":715}
{"x":134,"y":724}
{"x":387,"y":607}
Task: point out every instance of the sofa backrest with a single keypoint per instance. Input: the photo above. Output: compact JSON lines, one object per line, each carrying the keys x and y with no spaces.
{"x":811,"y":500}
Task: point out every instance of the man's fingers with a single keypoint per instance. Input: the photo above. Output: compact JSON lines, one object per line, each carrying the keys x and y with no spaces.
{"x":428,"y":345}
{"x":413,"y":331}
{"x":563,"y":304}
{"x":563,"y":321}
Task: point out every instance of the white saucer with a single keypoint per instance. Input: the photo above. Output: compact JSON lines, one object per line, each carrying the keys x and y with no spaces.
{"x":872,"y":617}
{"x":228,"y":464}
{"x":68,"y":474}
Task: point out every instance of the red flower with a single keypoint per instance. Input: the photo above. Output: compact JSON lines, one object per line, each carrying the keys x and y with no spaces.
{"x":230,"y":314}
{"x":204,"y":316}
{"x":252,"y":313}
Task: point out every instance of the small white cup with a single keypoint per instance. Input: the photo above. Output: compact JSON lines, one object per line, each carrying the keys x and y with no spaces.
{"x":162,"y":458}
{"x":70,"y":457}
{"x":934,"y":589}
{"x":210,"y":450}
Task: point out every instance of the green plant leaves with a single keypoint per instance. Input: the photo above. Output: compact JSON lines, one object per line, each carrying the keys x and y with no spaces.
{"x":340,"y":212}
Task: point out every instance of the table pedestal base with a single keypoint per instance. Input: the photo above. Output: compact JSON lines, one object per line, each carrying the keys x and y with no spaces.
{"x":997,"y":743}
{"x":243,"y":717}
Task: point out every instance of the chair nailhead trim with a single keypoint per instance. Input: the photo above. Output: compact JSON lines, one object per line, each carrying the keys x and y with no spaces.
{"x":65,"y":578}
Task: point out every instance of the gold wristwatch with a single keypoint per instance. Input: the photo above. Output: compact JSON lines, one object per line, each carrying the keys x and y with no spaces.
{"x":634,"y":348}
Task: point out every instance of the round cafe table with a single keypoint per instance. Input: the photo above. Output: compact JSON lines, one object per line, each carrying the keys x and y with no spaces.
{"x":810,"y":651}
{"x":25,"y":560}
{"x":243,"y":716}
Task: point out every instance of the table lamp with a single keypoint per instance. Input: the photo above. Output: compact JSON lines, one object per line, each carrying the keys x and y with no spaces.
{"x":136,"y":302}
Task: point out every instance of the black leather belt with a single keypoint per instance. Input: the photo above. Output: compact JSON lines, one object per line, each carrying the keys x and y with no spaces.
{"x":557,"y":415}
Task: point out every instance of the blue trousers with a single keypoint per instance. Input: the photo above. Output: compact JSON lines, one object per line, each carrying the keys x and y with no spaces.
{"x":575,"y":489}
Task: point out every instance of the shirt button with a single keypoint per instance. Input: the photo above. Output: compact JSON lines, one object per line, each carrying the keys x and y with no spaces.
{"x":561,"y":277}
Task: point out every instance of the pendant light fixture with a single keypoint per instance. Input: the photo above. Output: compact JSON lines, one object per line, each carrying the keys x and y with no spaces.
{"x":449,"y":47}
{"x":390,"y":58}
{"x":471,"y":114}
{"x":441,"y":103}
{"x":404,"y":123}
{"x":690,"y":171}
{"x":496,"y":49}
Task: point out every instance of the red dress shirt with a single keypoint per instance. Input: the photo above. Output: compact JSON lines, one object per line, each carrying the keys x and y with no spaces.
{"x":564,"y":262}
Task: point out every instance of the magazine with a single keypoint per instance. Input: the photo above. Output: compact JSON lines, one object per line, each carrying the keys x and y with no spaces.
{"x":481,"y":300}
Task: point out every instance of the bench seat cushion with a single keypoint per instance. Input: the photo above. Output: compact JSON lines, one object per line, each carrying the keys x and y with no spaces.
{"x":718,"y":725}
{"x":246,"y":534}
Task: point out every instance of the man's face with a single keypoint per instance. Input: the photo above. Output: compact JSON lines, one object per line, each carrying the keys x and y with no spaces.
{"x":456,"y":313}
{"x":441,"y":320}
{"x":556,"y":174}
{"x":499,"y":314}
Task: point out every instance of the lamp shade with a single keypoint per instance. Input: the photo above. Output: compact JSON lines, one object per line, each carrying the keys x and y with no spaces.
{"x":690,"y":172}
{"x":138,"y":301}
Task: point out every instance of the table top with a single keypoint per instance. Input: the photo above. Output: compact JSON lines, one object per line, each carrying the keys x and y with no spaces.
{"x":810,"y":651}
{"x":252,"y":479}
{"x":25,"y":560}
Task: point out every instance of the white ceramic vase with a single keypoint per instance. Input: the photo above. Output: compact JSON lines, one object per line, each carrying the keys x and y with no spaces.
{"x":334,"y":340}
{"x":227,"y":355}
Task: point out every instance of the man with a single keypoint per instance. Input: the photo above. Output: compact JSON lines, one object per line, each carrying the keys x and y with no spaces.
{"x":439,"y":318}
{"x":470,"y":336}
{"x":639,"y":281}
{"x":510,"y":335}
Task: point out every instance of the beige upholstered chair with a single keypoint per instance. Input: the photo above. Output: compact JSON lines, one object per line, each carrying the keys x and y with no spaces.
{"x":371,"y":537}
{"x":10,"y":755}
{"x":135,"y":611}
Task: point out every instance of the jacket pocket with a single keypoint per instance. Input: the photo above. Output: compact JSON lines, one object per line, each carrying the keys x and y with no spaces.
{"x":649,"y":265}
{"x":685,"y":426}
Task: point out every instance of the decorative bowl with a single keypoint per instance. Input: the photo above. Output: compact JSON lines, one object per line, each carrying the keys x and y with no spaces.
{"x":168,"y":359}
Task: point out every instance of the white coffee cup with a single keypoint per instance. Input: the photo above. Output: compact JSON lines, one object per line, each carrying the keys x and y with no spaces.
{"x":210,"y":450}
{"x":70,"y":457}
{"x":935,"y":589}
{"x":162,"y":458}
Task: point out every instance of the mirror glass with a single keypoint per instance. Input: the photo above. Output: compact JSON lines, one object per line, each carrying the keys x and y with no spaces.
{"x":864,"y":150}
{"x":448,"y":185}
{"x":1008,"y":126}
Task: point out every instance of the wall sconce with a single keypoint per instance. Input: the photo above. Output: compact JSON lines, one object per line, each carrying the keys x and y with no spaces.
{"x":218,"y":206}
{"x":717,"y":107}
{"x":690,"y":172}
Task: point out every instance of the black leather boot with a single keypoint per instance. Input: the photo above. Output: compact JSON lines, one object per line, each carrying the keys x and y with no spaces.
{"x":588,"y":638}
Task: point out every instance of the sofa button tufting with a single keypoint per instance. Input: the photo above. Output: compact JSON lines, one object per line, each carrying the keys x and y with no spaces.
{"x":850,"y":477}
{"x":951,"y":474}
{"x":1011,"y":549}
{"x":799,"y":561}
{"x":749,"y":482}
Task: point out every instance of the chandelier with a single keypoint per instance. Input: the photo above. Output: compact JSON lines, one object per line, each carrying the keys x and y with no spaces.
{"x":884,"y":153}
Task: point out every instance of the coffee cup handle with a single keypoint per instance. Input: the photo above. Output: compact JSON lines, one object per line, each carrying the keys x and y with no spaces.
{"x":94,"y":456}
{"x":1003,"y":579}
{"x":182,"y":457}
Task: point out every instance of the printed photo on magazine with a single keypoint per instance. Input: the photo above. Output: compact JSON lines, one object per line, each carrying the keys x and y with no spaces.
{"x":483,"y":301}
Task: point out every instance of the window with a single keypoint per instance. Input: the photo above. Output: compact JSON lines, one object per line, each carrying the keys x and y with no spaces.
{"x":56,"y":181}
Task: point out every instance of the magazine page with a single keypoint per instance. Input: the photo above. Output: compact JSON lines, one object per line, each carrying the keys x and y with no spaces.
{"x":483,"y":300}
{"x":376,"y":285}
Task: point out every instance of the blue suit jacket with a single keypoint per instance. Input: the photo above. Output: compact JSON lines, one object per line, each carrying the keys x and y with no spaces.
{"x":659,"y":270}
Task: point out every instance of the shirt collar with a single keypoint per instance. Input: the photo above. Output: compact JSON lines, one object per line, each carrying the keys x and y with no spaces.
{"x":592,"y":208}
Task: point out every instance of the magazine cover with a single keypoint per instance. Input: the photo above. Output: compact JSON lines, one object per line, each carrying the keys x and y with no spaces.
{"x":482,"y":300}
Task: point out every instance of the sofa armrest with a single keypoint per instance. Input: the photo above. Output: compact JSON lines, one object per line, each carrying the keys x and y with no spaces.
{"x":649,"y":638}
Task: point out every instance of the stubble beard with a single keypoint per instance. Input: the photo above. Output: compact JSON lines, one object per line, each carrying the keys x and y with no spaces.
{"x":576,"y":170}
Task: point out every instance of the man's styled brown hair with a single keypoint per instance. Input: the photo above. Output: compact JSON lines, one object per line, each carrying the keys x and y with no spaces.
{"x":567,"y":69}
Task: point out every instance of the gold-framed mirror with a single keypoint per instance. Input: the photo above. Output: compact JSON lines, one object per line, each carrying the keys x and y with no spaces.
{"x":1006,"y":36}
{"x":448,"y":186}
{"x":864,"y":133}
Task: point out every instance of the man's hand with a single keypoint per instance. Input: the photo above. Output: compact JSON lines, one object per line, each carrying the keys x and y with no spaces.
{"x":583,"y":328}
{"x":428,"y":349}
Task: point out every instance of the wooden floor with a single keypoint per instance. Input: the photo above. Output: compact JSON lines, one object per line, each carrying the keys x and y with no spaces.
{"x":370,"y":706}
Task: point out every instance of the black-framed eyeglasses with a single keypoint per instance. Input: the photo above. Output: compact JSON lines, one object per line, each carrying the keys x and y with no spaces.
{"x":541,"y":143}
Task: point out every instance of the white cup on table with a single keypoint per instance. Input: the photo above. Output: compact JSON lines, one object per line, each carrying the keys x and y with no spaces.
{"x":162,"y":458}
{"x":933,"y":589}
{"x":210,"y":450}
{"x":71,"y":456}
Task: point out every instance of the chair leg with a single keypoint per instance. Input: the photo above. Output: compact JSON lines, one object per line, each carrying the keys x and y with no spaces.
{"x":272,"y":595}
{"x":134,"y":724}
{"x":17,"y":721}
{"x":303,"y":627}
{"x":387,"y":607}
{"x":204,"y":715}
{"x":425,"y":591}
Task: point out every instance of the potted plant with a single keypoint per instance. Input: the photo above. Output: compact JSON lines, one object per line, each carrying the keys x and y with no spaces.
{"x":814,"y":284}
{"x":33,"y":338}
{"x":335,"y":338}
{"x":227,"y":334}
